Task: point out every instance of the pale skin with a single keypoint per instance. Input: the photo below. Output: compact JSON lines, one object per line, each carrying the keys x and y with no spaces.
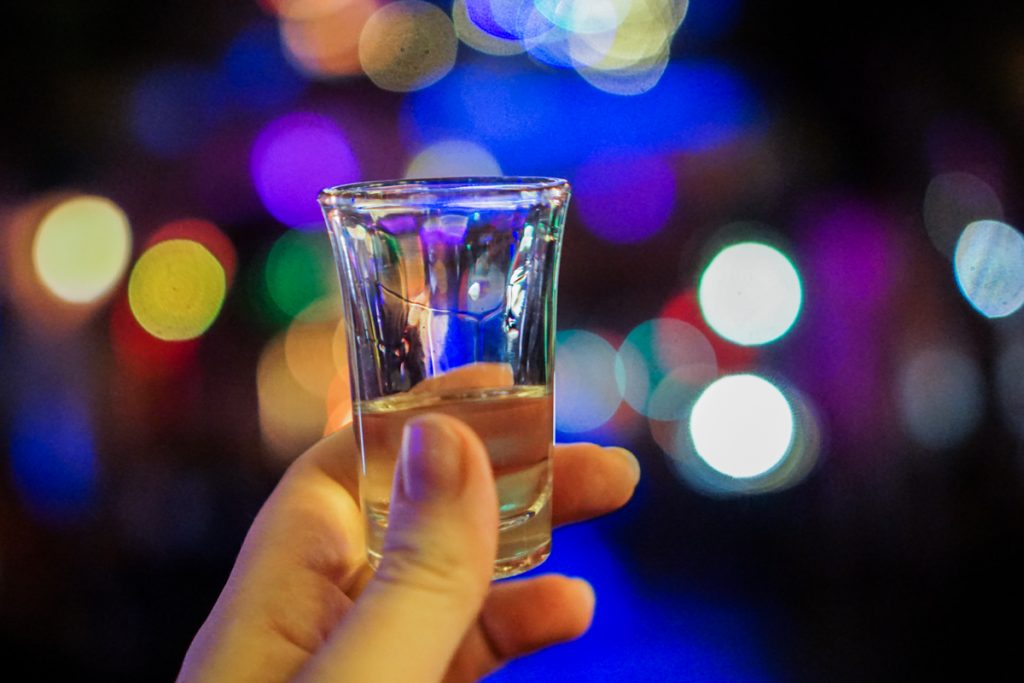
{"x":302,"y":604}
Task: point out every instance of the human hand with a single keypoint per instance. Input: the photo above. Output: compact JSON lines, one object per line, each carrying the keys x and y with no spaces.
{"x":301,"y":602}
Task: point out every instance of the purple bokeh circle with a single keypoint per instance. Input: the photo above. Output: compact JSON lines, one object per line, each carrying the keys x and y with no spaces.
{"x":292,"y":159}
{"x":625,"y":197}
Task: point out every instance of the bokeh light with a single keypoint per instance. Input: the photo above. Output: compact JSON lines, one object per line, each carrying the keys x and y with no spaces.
{"x":291,"y":418}
{"x":507,"y":106}
{"x":658,"y":348}
{"x":176,"y":289}
{"x":254,"y":73}
{"x":584,"y":16}
{"x":634,"y":79}
{"x":314,"y":349}
{"x":202,"y":232}
{"x":586,"y":394}
{"x":989,"y":267}
{"x":292,"y":159}
{"x":750,"y":293}
{"x":407,"y":45}
{"x":605,"y":192}
{"x":324,"y":45}
{"x":52,"y":455}
{"x":941,"y":397}
{"x":794,"y":465}
{"x":630,"y":58}
{"x":504,"y":19}
{"x":952,"y":201}
{"x":477,"y":38}
{"x":140,"y":353}
{"x":742,"y":425}
{"x":453,"y":159}
{"x":299,"y":271}
{"x":731,"y":357}
{"x":81,"y":248}
{"x":670,"y":404}
{"x":32,"y":302}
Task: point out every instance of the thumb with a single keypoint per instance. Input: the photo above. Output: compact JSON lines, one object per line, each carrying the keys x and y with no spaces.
{"x":438,"y":557}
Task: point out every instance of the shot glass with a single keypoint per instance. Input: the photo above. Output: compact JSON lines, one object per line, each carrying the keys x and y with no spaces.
{"x":449,"y":289}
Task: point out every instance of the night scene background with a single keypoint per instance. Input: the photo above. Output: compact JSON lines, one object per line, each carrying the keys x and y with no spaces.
{"x":790,"y":283}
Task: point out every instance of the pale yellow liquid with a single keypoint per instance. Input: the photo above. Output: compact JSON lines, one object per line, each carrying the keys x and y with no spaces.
{"x":516,"y":426}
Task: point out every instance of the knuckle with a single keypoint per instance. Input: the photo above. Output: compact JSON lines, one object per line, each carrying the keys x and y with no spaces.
{"x":434,"y":570}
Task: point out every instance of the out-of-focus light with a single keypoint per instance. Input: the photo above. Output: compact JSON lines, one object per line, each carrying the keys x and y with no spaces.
{"x":545,"y":42}
{"x":36,"y":305}
{"x":587,"y":394}
{"x":299,"y":271}
{"x":205,"y":233}
{"x":750,"y":293}
{"x":291,"y":418}
{"x":310,"y":353}
{"x":173,"y":108}
{"x":731,"y":357}
{"x":338,"y":405}
{"x":453,"y":158}
{"x":671,"y":403}
{"x":503,"y":19}
{"x":477,"y":38}
{"x":142,"y":354}
{"x":742,"y":425}
{"x":655,"y":349}
{"x":1010,"y":386}
{"x":634,"y":79}
{"x":644,"y":33}
{"x":176,"y":289}
{"x":793,"y":466}
{"x":52,"y":456}
{"x":607,"y":186}
{"x":81,"y":248}
{"x":506,"y":106}
{"x":407,"y":45}
{"x":941,"y":397}
{"x":952,"y":201}
{"x":989,"y":267}
{"x":630,"y":59}
{"x":327,"y":45}
{"x":254,"y":72}
{"x":584,"y":16}
{"x":292,"y":159}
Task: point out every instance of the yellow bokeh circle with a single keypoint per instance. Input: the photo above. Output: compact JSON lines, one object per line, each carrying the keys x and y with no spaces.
{"x":407,"y":45}
{"x":81,"y":248}
{"x":176,"y":290}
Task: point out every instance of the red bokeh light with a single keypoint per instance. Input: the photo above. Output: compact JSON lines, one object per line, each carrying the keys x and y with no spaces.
{"x":731,"y":357}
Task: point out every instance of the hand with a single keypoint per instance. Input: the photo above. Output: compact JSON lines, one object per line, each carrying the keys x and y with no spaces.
{"x":301,"y":602}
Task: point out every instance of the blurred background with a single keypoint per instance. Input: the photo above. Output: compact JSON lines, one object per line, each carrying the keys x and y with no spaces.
{"x":791,"y":283}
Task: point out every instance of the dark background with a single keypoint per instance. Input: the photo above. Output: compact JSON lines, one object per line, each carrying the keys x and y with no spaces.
{"x":890,"y":561}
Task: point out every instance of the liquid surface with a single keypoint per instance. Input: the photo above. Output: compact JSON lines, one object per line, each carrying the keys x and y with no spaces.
{"x":516,"y":426}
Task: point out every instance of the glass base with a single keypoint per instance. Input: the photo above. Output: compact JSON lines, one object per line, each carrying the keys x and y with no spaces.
{"x":503,"y":568}
{"x":524,"y":541}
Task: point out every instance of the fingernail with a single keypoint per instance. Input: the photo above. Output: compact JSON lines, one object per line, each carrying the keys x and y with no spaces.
{"x":630,"y":460}
{"x":431,"y":459}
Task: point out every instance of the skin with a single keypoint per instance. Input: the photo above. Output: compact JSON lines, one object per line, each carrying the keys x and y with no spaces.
{"x":302,"y":604}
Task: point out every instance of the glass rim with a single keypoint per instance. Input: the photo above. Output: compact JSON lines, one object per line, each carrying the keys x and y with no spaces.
{"x":409,"y":190}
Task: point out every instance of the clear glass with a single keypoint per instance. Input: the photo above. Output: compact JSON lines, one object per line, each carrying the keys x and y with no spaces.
{"x":449,"y":288}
